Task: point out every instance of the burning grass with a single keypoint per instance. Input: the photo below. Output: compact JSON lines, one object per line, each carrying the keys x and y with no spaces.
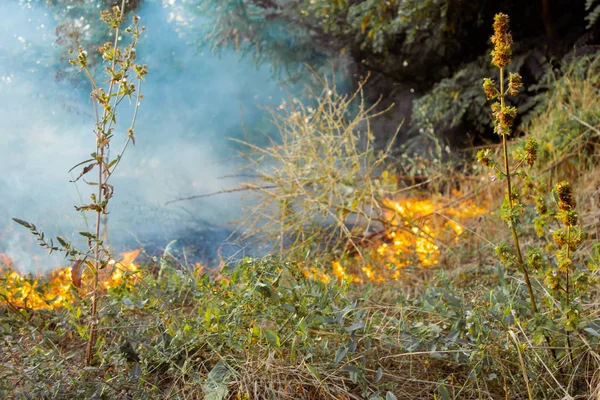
{"x":266,"y":329}
{"x":56,"y":289}
{"x":417,"y":230}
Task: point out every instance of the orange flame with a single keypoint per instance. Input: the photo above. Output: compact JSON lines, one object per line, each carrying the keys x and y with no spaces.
{"x":415,"y":231}
{"x":56,"y":290}
{"x":121,"y":268}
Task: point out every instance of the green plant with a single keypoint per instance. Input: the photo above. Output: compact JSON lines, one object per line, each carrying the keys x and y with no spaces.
{"x":560,"y":280}
{"x":504,"y":117}
{"x":562,"y":316}
{"x":121,"y":69}
{"x":263,"y":328}
{"x":593,"y":10}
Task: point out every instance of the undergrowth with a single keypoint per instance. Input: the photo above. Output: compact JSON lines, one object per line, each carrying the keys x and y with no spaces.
{"x":497,"y":321}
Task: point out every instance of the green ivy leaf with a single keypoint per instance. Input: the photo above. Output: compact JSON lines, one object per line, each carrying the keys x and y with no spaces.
{"x":273,"y":338}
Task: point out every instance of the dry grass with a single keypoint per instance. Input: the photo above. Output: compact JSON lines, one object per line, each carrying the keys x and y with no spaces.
{"x":321,"y":182}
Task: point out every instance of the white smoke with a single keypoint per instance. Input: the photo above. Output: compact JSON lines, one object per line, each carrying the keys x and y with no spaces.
{"x":192,"y":104}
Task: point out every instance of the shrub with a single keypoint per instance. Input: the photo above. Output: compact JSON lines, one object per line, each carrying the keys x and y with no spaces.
{"x":320,"y":185}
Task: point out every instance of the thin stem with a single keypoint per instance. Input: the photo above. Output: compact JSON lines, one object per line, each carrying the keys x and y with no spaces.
{"x":100,"y":151}
{"x":510,"y":203}
{"x":513,"y":229}
{"x":567,"y":291}
{"x":568,"y":254}
{"x":522,"y":363}
{"x":93,"y":323}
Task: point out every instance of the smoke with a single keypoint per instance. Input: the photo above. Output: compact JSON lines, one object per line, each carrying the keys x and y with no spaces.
{"x":191,"y":106}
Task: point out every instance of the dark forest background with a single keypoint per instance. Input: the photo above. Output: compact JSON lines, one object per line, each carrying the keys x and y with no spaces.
{"x":426,"y":57}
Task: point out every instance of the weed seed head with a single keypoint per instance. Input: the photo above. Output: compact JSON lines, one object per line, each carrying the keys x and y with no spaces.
{"x":531,"y":151}
{"x":553,"y":280}
{"x":535,"y":259}
{"x":489,"y":87}
{"x":564,"y":263}
{"x":501,"y":22}
{"x":566,"y":202}
{"x":528,"y":187}
{"x":505,"y":254}
{"x":540,"y":205}
{"x":568,"y":217}
{"x":539,"y":224}
{"x":506,"y":117}
{"x":560,"y":237}
{"x":483,"y":156}
{"x":502,"y":40}
{"x":515,"y":83}
{"x":577,"y":237}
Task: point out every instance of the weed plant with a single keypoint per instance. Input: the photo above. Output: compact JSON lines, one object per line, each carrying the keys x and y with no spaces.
{"x":555,"y":265}
{"x":124,"y":77}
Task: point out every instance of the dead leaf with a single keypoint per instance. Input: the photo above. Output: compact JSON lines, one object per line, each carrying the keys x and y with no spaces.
{"x":76,"y":274}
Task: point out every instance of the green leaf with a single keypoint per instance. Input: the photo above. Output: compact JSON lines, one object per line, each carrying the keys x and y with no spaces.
{"x":215,"y":387}
{"x":341,"y":314}
{"x":63,"y":242}
{"x":538,"y":337}
{"x":273,"y":338}
{"x":24,"y":223}
{"x":127,"y":302}
{"x":443,"y":392}
{"x":379,"y":374}
{"x":113,"y":162}
{"x":353,"y":372}
{"x":302,"y":327}
{"x":264,"y":288}
{"x":592,"y":332}
{"x":313,"y":371}
{"x":390,"y":396}
{"x":88,"y":235}
{"x":340,"y":354}
{"x":355,"y":326}
{"x":136,"y":372}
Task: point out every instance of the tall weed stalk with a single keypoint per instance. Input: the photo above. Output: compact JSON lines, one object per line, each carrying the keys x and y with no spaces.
{"x":121,"y":69}
{"x":504,"y":117}
{"x":563,"y":279}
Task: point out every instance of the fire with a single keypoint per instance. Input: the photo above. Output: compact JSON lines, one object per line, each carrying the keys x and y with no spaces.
{"x":415,"y":231}
{"x":121,"y":268}
{"x":56,"y":290}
